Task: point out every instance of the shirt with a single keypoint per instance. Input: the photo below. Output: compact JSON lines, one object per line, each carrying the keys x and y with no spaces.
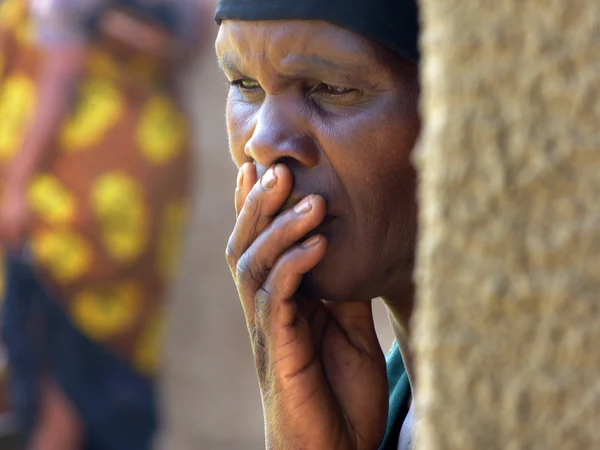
{"x":399,"y":398}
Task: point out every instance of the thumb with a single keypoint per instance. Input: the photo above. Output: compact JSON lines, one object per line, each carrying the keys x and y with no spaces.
{"x":356,"y":319}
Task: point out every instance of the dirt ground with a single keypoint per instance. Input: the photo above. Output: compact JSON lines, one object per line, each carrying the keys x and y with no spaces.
{"x":209,"y":387}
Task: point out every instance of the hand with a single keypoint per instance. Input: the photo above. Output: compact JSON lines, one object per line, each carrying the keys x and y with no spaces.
{"x":14,"y":216}
{"x":320,"y":367}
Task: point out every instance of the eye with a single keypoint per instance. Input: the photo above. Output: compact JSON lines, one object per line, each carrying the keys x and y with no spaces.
{"x":330,"y":90}
{"x":249,"y":89}
{"x":245,"y":84}
{"x":323,"y":95}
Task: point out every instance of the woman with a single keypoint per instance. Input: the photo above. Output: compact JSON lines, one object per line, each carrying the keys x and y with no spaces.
{"x":322,"y":118}
{"x":96,"y":155}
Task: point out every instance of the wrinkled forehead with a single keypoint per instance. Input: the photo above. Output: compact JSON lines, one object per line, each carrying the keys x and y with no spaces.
{"x":291,"y":45}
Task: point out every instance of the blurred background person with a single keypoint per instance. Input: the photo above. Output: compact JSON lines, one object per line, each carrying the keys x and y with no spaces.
{"x":95,"y":158}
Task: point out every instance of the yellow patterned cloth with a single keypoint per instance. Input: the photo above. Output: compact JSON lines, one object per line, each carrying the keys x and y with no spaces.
{"x":110,"y":207}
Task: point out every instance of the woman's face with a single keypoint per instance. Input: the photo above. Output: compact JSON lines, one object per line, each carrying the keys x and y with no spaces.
{"x":341,"y":113}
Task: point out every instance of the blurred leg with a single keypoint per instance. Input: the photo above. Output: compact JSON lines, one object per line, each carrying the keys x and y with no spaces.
{"x":17,"y":311}
{"x":59,"y":426}
{"x":47,"y":420}
{"x":117,"y":405}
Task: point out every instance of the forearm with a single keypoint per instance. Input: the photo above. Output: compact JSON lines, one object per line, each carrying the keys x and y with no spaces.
{"x":60,"y":72}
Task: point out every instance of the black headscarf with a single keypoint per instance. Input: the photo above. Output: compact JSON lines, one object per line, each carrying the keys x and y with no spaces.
{"x":392,"y":23}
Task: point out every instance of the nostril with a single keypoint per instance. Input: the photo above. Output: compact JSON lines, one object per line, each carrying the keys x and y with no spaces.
{"x":270,"y":145}
{"x":287,"y":161}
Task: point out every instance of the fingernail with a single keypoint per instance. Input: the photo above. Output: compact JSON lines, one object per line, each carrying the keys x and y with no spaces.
{"x":269,"y":179}
{"x":278,"y":169}
{"x":304,"y":206}
{"x":311,"y":242}
{"x":240,"y":180}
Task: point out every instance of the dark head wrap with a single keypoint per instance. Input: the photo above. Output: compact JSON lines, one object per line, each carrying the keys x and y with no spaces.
{"x":392,"y":23}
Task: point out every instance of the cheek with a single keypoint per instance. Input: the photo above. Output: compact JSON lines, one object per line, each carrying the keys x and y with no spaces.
{"x":375,"y":160}
{"x":395,"y":205}
{"x":392,"y":180}
{"x":239,"y":117}
{"x":381,"y":182}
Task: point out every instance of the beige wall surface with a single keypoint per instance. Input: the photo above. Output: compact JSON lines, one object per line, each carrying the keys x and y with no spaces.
{"x":209,"y":387}
{"x":509,"y":275}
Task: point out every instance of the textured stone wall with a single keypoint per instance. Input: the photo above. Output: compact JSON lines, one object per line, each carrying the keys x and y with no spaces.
{"x":508,"y":327}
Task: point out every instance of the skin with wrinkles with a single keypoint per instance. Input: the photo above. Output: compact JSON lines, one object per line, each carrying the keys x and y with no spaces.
{"x":321,"y":123}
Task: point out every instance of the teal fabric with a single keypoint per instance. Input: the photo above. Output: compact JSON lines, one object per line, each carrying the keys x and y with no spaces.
{"x":400,"y":395}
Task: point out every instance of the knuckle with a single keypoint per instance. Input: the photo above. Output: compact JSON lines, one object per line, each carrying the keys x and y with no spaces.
{"x":245,"y":273}
{"x":230,"y":255}
{"x":262,"y":302}
{"x":242,"y":270}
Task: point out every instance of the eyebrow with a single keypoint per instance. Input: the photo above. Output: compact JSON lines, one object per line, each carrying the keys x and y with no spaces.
{"x":306,"y":65}
{"x":227,"y":65}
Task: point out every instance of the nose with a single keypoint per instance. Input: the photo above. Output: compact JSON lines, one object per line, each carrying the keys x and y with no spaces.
{"x":282,"y":133}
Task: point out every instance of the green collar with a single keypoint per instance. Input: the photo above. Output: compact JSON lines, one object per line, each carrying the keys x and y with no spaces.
{"x":400,"y":393}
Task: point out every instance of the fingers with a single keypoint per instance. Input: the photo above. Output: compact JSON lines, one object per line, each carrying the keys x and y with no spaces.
{"x":246,"y":179}
{"x":350,"y":315}
{"x":280,"y":235}
{"x":278,"y":333}
{"x":356,"y":319}
{"x":259,"y":206}
{"x":273,"y":304}
{"x":266,"y":260}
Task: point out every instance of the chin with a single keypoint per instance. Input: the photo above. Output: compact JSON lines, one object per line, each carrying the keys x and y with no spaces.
{"x":336,"y":277}
{"x":340,"y":278}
